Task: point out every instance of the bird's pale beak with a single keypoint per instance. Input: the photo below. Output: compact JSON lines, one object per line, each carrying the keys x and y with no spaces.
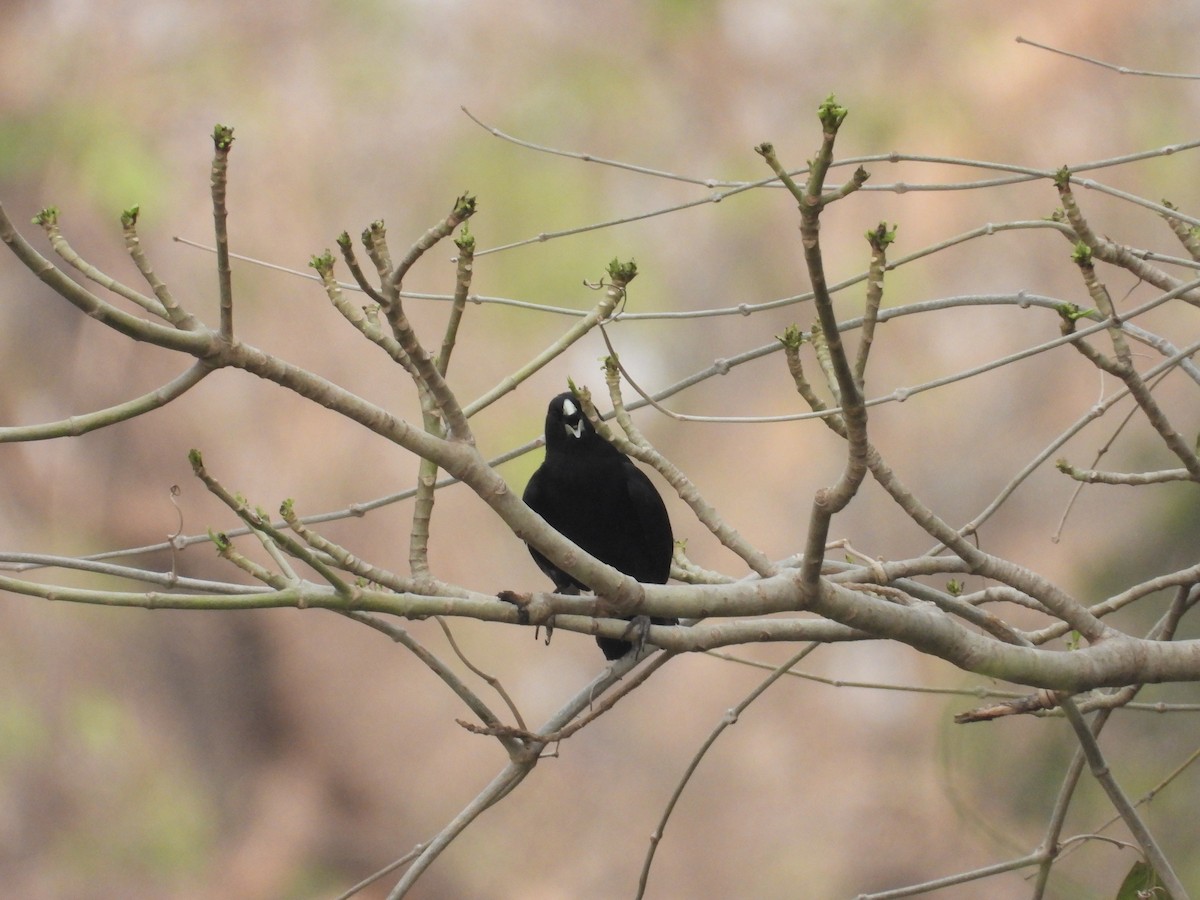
{"x":577,"y":431}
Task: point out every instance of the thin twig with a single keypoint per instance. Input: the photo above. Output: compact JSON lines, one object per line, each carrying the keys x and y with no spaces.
{"x":730,"y":718}
{"x":1112,"y":67}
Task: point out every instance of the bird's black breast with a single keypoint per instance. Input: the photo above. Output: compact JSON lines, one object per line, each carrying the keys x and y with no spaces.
{"x":606,"y":505}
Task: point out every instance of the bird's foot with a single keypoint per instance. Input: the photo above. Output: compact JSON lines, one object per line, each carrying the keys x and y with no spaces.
{"x":632,"y":638}
{"x":521,"y":602}
{"x":636,"y":632}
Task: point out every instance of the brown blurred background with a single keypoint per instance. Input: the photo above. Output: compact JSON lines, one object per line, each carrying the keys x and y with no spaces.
{"x":287,"y":754}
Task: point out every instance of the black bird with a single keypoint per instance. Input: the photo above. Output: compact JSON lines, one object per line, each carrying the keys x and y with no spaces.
{"x":593,"y":494}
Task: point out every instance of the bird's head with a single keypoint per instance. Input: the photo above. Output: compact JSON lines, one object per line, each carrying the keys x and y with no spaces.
{"x":566,"y":425}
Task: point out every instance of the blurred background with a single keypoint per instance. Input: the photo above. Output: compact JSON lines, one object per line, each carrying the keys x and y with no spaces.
{"x":287,"y":754}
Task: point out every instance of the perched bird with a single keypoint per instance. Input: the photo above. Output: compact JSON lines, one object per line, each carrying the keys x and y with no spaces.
{"x":593,"y":494}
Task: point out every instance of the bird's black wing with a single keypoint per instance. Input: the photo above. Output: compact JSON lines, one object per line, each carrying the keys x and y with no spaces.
{"x":654,"y":524}
{"x":648,"y":544}
{"x":538,"y":497}
{"x":534,"y":495}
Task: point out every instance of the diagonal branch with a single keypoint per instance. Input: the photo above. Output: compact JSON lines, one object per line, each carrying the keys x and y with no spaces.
{"x":637,"y":446}
{"x":1100,"y":770}
{"x":178,"y":316}
{"x":48,"y":220}
{"x":101,"y":418}
{"x":200,"y":343}
{"x":614,"y":295}
{"x":431,"y":380}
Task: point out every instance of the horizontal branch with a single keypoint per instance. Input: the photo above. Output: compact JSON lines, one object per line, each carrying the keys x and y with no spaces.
{"x":1095,"y":476}
{"x":20,"y":562}
{"x":852,"y":615}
